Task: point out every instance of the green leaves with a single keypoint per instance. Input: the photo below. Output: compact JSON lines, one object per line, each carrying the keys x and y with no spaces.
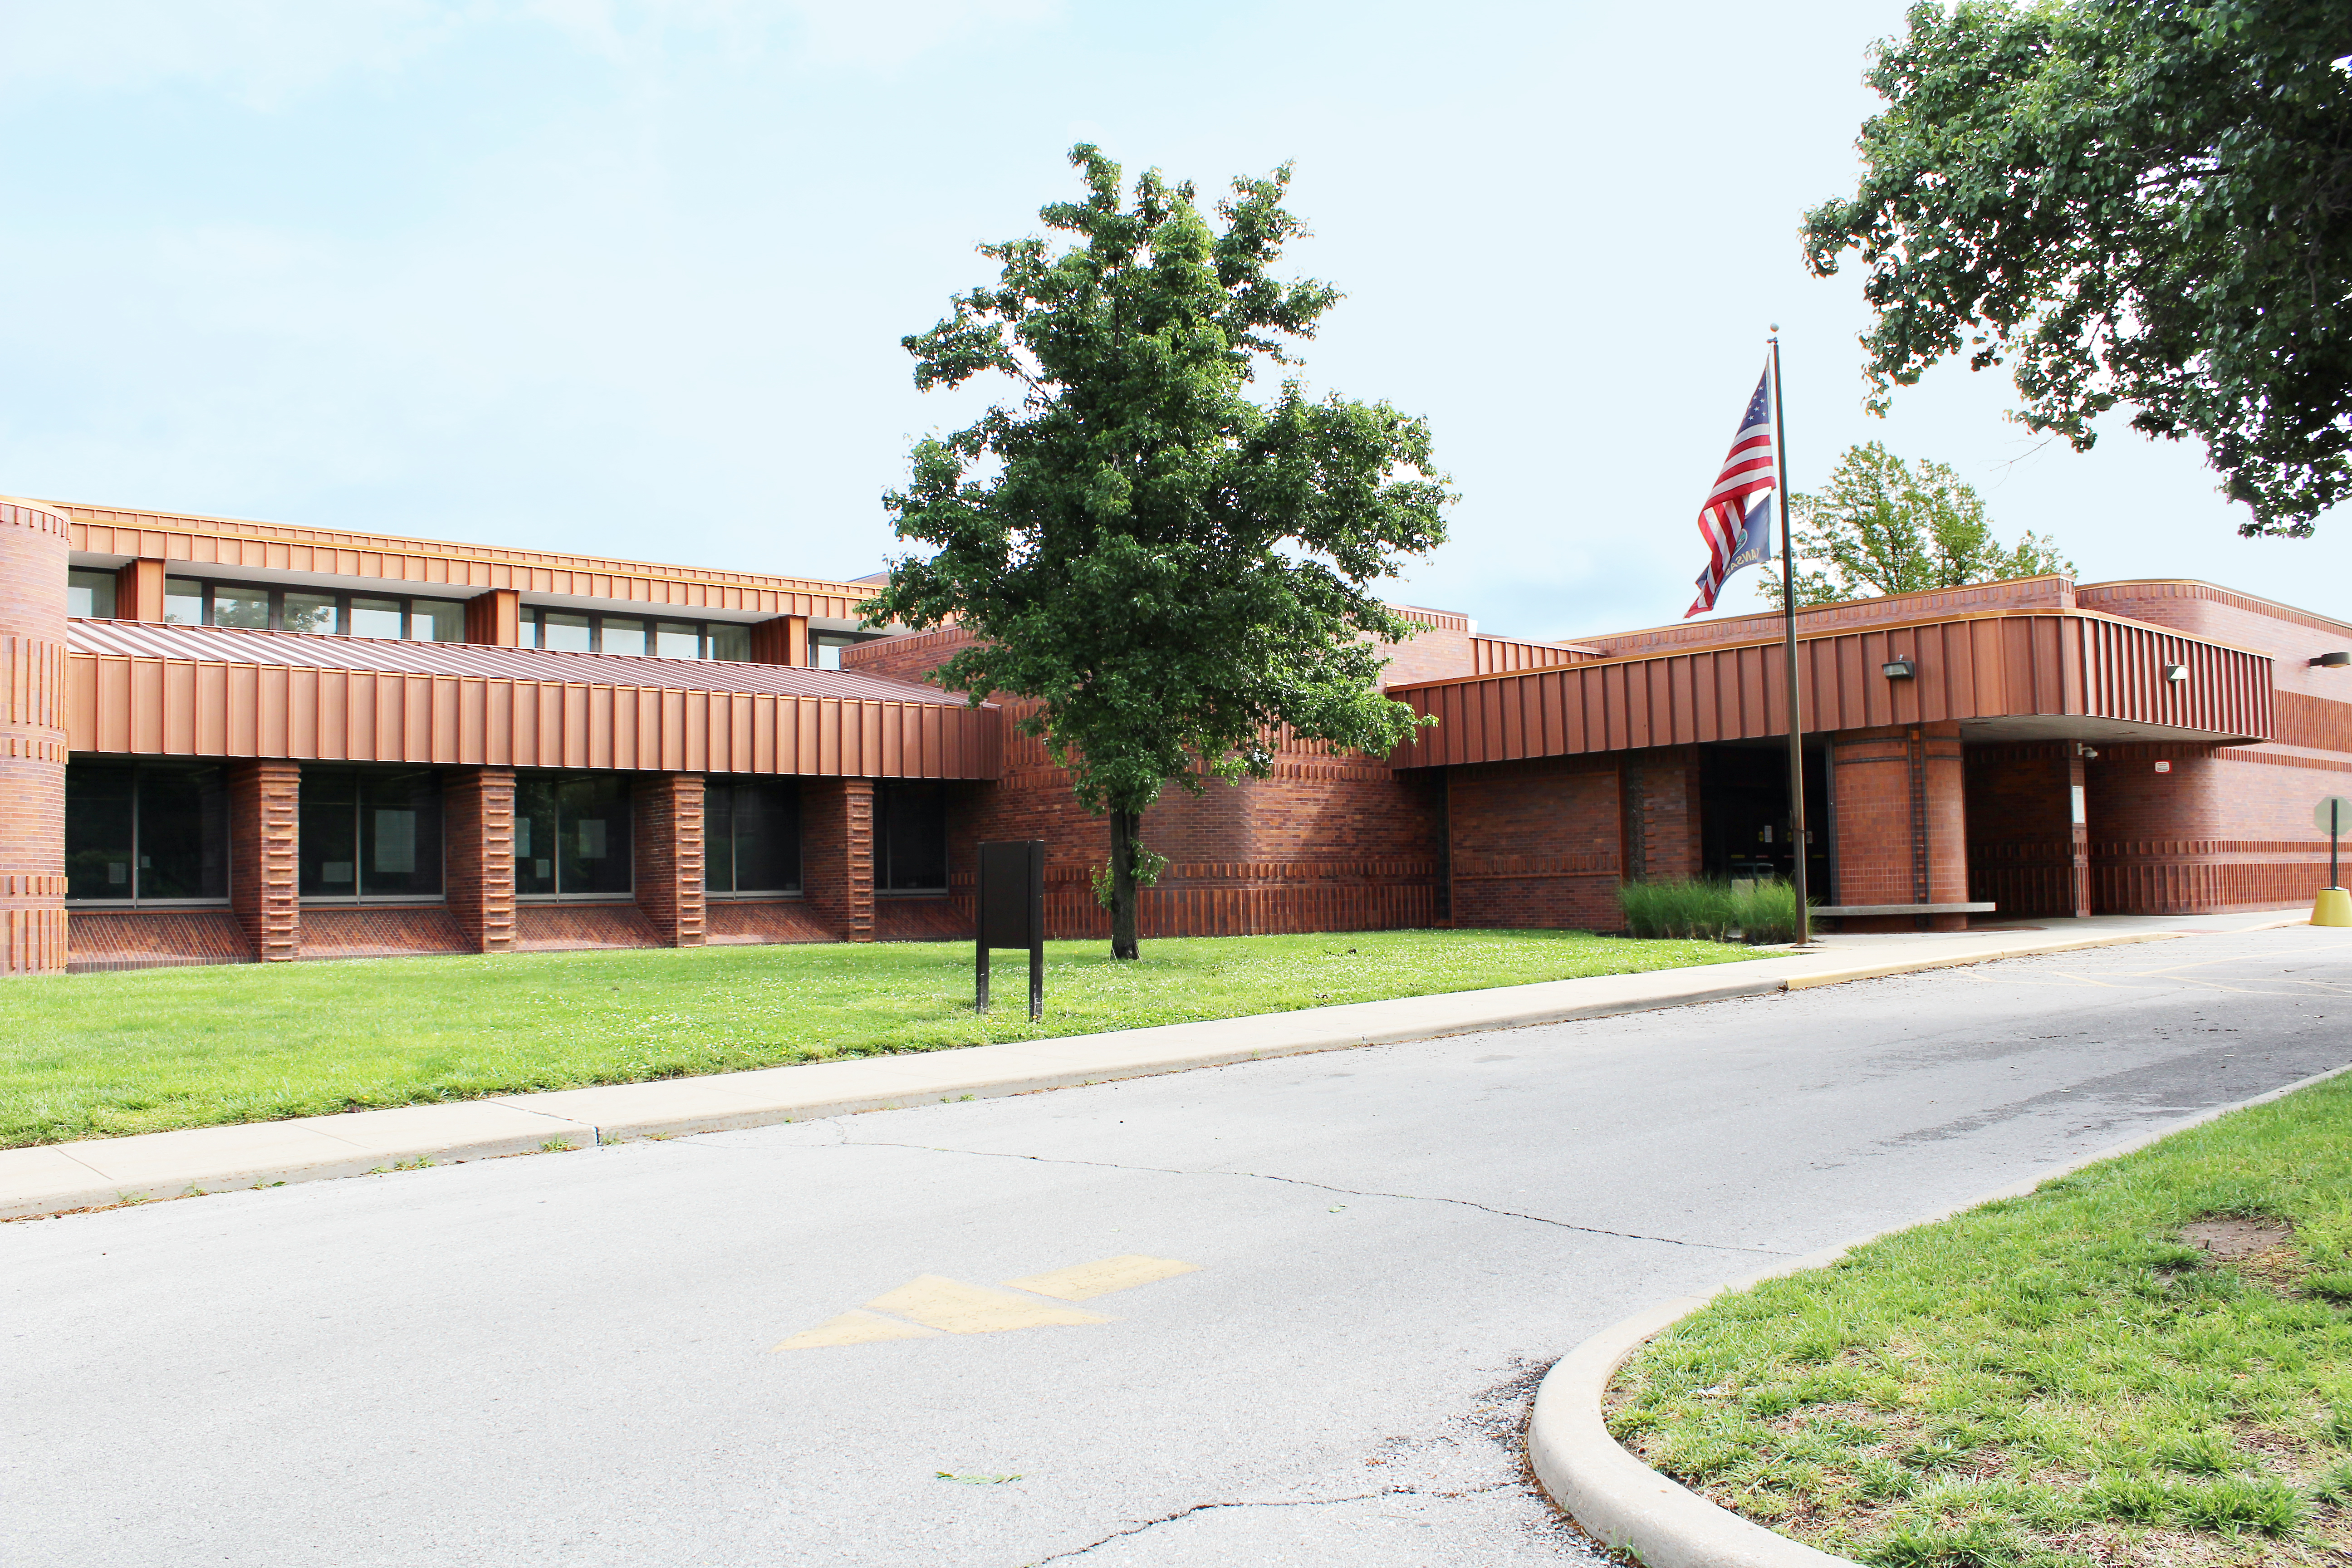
{"x":2130,"y":203}
{"x":1885,"y":526}
{"x":1176,"y":573}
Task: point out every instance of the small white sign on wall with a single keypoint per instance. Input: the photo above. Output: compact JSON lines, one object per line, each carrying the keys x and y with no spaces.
{"x":2081,"y":815}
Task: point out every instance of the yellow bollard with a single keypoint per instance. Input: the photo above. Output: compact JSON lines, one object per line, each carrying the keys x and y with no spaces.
{"x":2331,"y":908}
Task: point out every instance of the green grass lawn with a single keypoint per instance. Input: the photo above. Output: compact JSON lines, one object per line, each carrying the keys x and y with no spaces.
{"x":98,"y":1054}
{"x":2058,"y":1379}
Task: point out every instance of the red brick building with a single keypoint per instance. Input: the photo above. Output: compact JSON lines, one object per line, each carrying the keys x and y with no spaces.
{"x":227,"y":742}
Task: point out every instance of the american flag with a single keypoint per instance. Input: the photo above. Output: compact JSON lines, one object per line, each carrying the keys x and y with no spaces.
{"x":1749,"y":471}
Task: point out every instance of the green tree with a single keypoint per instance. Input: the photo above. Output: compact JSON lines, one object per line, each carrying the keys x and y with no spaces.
{"x":1174,"y":571}
{"x":2140,"y":202}
{"x":1885,"y":526}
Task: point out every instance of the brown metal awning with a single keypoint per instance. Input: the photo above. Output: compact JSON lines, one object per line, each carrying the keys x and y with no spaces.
{"x":2001,"y":674}
{"x":143,"y":689}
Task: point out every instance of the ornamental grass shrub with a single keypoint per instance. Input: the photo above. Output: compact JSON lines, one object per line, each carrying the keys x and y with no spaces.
{"x":1710,"y":910}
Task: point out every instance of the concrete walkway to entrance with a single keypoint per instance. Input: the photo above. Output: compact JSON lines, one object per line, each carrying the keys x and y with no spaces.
{"x":100,"y":1173}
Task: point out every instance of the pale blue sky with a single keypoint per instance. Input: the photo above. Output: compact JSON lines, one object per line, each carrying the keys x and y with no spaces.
{"x":630,"y":278}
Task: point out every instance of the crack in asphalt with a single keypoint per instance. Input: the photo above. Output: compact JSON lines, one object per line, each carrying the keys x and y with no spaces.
{"x":848,"y":1143}
{"x":1289,"y":1502}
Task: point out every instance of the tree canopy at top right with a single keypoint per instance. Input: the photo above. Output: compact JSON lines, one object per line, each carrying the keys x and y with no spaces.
{"x":2145,"y":203}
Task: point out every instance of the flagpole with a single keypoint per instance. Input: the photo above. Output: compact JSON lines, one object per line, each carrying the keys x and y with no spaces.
{"x":1788,"y":619}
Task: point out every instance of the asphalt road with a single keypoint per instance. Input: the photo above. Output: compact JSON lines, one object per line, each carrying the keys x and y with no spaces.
{"x":568,"y":1358}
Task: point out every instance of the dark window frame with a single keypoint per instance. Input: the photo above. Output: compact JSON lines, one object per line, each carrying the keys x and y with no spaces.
{"x":799,"y":842}
{"x":556,"y":776}
{"x":531,"y":619}
{"x":112,"y":580}
{"x":359,"y":896}
{"x":885,"y":847}
{"x":134,"y":901}
{"x":277,"y":593}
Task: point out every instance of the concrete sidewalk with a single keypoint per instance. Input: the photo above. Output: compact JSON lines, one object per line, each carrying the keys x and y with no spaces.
{"x":96,"y":1173}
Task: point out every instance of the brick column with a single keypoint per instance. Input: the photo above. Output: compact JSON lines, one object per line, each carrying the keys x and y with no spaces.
{"x":837,"y":854}
{"x":1659,"y":808}
{"x":138,"y":590}
{"x":33,"y":565}
{"x":263,"y":830}
{"x":1902,"y":822}
{"x":669,"y":837}
{"x":478,"y":818}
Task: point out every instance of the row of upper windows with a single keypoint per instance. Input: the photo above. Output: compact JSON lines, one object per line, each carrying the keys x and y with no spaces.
{"x":195,"y":601}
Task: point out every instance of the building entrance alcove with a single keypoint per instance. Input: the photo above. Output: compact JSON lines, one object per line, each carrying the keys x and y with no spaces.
{"x":1744,"y":829}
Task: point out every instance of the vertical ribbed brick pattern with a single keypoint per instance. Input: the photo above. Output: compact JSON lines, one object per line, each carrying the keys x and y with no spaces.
{"x":1902,"y":822}
{"x":34,"y":542}
{"x":262,"y":840}
{"x":669,"y":856}
{"x":837,"y":854}
{"x":478,"y":814}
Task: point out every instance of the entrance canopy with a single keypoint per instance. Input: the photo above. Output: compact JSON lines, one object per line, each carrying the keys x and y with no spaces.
{"x":2010,"y":672}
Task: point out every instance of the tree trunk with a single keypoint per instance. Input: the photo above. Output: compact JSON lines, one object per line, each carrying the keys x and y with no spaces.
{"x":1123,"y":830}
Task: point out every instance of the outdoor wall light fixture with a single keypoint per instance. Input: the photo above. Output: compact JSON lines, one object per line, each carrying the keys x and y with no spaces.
{"x":1899,"y":669}
{"x":2175,"y":672}
{"x":2088,"y":753}
{"x":2333,"y":660}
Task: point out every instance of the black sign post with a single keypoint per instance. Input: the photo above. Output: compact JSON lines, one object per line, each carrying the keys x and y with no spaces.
{"x":1009,"y":910}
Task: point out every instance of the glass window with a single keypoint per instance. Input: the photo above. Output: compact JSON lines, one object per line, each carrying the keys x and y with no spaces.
{"x":375,"y":618}
{"x":752,"y":835}
{"x":563,"y":631}
{"x":527,"y":628}
{"x":572,"y":835}
{"x":436,"y":620}
{"x":621,"y":636}
{"x":89,"y":593}
{"x":534,"y":832}
{"x":677,"y":639}
{"x":825,"y":650}
{"x":308,"y":611}
{"x":183,"y":833}
{"x":369,"y":833}
{"x":239,"y":606}
{"x":184,"y":602}
{"x":139,"y":831}
{"x":102,"y":838}
{"x":910,"y":819}
{"x":731,"y":642}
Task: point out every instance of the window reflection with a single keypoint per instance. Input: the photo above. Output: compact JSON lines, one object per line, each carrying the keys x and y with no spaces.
{"x":910,"y":850}
{"x":369,"y":833}
{"x":89,"y":593}
{"x":752,"y":835}
{"x":145,"y":832}
{"x":571,"y":836}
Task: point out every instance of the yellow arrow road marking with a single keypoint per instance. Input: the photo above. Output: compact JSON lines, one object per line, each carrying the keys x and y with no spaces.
{"x":955,"y":1307}
{"x":855,"y":1329}
{"x":1084,"y":1281}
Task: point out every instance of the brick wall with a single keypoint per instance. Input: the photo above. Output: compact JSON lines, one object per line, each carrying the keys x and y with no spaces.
{"x":1902,"y":822}
{"x":667,"y":837}
{"x":1540,"y":843}
{"x":1658,"y":802}
{"x":2221,"y":828}
{"x":837,"y":855}
{"x":262,"y":827}
{"x":478,"y":819}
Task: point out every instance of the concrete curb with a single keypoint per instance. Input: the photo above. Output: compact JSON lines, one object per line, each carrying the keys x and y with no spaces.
{"x":48,"y":1179}
{"x":1628,"y":1506}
